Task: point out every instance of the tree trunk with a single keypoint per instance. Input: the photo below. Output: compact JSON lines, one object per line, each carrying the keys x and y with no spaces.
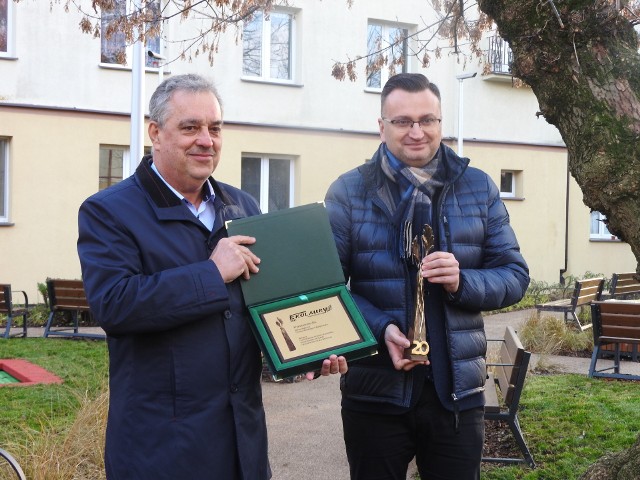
{"x":583,"y":66}
{"x":623,"y":465}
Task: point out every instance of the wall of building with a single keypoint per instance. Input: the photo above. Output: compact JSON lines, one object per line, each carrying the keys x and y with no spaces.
{"x":72,"y":104}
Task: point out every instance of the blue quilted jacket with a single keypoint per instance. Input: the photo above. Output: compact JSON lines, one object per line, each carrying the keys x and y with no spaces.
{"x":469,"y":221}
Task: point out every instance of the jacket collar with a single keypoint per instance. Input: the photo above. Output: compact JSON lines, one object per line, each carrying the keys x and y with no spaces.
{"x":160,"y":194}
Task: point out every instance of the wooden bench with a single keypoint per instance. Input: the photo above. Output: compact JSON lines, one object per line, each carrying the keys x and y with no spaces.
{"x":584,"y":292}
{"x":624,"y":286}
{"x":614,"y":322}
{"x":503,"y":390}
{"x":67,"y":298}
{"x":8,"y":309}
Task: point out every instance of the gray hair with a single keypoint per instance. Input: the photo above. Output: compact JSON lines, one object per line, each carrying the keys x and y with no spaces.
{"x":159,"y":103}
{"x":409,"y":82}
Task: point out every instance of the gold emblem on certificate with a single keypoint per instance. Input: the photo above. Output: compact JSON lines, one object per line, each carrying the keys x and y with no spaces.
{"x":417,"y":335}
{"x":307,"y":328}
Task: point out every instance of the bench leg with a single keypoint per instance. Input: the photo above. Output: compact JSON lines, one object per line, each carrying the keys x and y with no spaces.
{"x":616,"y":359}
{"x":74,"y":317}
{"x":594,"y":358}
{"x":47,"y":327}
{"x":7,"y":332}
{"x":514,"y":425}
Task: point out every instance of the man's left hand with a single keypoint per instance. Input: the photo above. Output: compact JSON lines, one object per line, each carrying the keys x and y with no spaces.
{"x":442,"y":268}
{"x":331,"y":365}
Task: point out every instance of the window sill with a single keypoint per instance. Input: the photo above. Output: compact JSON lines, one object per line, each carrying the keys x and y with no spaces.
{"x":517,"y":199}
{"x":7,"y":224}
{"x":126,"y":68}
{"x":611,"y":239}
{"x":373,"y":90}
{"x":8,"y":57}
{"x":271,"y":82}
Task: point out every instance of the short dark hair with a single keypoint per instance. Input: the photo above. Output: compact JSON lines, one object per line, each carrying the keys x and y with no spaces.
{"x":159,"y":103}
{"x":409,"y":82}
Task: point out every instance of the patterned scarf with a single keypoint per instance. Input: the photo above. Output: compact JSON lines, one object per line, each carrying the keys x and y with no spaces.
{"x":417,"y":186}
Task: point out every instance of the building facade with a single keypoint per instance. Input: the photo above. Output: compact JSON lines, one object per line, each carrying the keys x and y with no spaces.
{"x":290,"y":127}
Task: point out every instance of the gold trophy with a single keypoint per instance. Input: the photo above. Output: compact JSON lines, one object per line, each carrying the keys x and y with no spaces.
{"x":417,"y":334}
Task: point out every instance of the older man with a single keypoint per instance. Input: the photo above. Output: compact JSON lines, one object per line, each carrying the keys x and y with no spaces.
{"x":161,"y":276}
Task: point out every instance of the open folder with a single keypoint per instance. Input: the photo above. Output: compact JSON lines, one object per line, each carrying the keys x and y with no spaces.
{"x":300,"y":307}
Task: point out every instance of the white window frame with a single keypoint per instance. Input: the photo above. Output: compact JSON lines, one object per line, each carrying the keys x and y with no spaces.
{"x":265,"y":60}
{"x":386,"y":41}
{"x":512,"y":192}
{"x":601,"y":232}
{"x":264,"y":177}
{"x":9,"y":30}
{"x":4,"y":161}
{"x":151,"y":63}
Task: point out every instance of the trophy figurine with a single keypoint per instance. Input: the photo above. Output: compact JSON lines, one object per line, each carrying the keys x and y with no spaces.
{"x":417,"y":334}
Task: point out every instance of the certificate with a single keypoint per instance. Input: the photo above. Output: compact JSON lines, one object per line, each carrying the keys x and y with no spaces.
{"x":301,"y":310}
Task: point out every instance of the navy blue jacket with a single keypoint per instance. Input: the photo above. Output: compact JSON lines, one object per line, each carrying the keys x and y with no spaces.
{"x":185,"y":396}
{"x":469,"y":221}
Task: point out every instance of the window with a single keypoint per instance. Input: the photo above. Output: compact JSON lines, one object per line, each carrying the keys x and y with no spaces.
{"x":113,"y":48}
{"x":507,"y":183}
{"x":112,"y":160}
{"x":4,"y":180}
{"x":6,"y":28}
{"x":598,"y":229}
{"x":511,"y":184}
{"x":387,"y":48}
{"x":269,"y":180}
{"x":267,"y":46}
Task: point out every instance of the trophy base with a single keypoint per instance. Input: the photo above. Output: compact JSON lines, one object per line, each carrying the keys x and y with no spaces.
{"x":418,"y":351}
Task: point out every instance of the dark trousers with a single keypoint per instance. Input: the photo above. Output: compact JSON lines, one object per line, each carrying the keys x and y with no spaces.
{"x":380,"y":447}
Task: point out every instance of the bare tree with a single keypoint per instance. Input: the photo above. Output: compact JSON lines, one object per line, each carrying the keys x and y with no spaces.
{"x":143,"y":19}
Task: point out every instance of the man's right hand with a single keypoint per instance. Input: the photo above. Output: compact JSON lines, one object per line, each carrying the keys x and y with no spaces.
{"x":396,"y":344}
{"x":234,"y":259}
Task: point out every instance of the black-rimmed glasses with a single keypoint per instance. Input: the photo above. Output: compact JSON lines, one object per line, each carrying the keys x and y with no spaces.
{"x":426,"y":123}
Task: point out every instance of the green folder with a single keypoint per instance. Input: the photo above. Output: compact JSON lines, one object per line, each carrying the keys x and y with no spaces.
{"x":301,"y":309}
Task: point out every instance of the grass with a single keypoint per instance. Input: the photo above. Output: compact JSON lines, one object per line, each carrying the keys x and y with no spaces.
{"x":56,"y":431}
{"x":47,"y":427}
{"x":569,"y":422}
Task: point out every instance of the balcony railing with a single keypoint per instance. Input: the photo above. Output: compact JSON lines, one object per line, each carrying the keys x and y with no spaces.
{"x":499,"y":55}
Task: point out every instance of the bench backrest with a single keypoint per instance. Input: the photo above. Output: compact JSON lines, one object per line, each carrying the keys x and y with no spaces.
{"x":616,"y":319}
{"x":587,"y":291}
{"x":66,"y":294}
{"x":512,"y":367}
{"x":5,"y":298}
{"x":624,"y":284}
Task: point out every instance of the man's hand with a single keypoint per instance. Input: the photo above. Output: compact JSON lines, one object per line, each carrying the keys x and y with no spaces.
{"x":442,"y":268}
{"x":331,"y":365}
{"x":234,"y":259}
{"x":396,"y":343}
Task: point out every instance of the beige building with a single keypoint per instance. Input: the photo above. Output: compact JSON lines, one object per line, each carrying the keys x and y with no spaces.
{"x":290,"y":128}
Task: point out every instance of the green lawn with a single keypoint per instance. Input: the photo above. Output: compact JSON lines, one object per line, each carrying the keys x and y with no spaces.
{"x":569,"y":421}
{"x":83,"y":367}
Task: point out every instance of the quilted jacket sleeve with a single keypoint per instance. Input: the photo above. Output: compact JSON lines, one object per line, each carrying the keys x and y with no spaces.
{"x":501,"y":277}
{"x":339,"y":207}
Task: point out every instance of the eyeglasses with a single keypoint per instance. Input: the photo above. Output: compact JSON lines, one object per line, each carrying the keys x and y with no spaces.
{"x":407,"y":124}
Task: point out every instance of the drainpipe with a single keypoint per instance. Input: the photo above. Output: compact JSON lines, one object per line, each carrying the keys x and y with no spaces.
{"x":566,"y":226}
